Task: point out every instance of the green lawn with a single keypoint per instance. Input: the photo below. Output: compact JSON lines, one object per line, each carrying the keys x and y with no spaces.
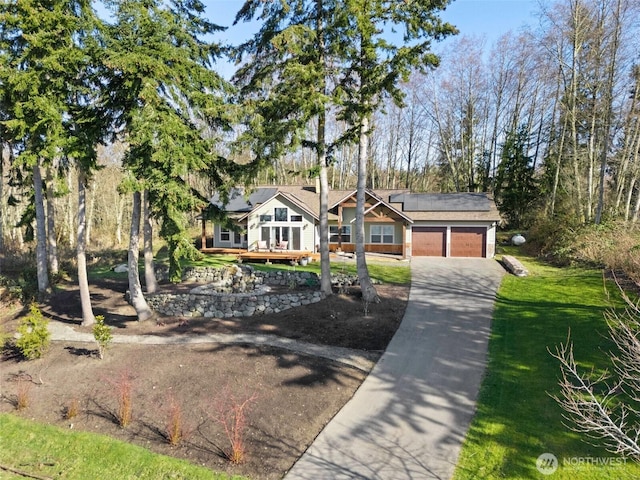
{"x":517,"y":420}
{"x":52,"y":452}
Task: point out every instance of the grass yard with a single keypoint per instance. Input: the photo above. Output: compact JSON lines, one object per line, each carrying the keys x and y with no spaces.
{"x":517,"y":420}
{"x":52,"y":452}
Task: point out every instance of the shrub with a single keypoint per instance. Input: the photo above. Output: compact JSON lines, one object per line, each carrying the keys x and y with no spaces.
{"x":123,"y":390}
{"x":23,"y":393}
{"x":175,"y":429}
{"x":34,"y":334}
{"x":102,"y":334}
{"x":72,"y":409}
{"x":231,"y":412}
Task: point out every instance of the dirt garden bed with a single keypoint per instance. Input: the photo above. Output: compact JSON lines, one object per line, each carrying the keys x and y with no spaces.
{"x":294,"y":395}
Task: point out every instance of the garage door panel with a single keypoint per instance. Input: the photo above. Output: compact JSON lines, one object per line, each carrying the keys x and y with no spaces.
{"x":429,"y":241}
{"x":468,"y":242}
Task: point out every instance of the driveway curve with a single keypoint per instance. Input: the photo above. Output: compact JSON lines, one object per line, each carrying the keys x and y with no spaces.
{"x":409,"y":417}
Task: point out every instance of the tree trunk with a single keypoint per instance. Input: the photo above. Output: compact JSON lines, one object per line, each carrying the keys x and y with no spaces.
{"x":325,"y":265}
{"x":151,"y":282}
{"x":91,"y":210}
{"x":135,"y":290}
{"x":52,"y":241}
{"x":369,"y":293}
{"x":41,"y":233}
{"x":119,"y":217}
{"x":83,"y":283}
{"x":70,"y":217}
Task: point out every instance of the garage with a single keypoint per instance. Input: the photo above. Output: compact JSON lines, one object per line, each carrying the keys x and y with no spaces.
{"x":429,"y":241}
{"x":468,"y":242}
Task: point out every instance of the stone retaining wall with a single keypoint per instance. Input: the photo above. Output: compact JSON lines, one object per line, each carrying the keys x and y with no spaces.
{"x":216,"y":297}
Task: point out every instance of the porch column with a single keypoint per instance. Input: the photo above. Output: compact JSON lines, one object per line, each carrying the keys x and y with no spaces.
{"x":204,"y":233}
{"x":404,"y":240}
{"x":340,"y":227}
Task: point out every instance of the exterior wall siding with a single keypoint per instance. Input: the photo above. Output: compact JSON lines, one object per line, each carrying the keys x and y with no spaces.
{"x":254,"y":224}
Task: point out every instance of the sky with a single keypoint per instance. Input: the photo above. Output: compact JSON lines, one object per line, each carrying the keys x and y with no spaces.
{"x":485,"y":18}
{"x":473,"y":17}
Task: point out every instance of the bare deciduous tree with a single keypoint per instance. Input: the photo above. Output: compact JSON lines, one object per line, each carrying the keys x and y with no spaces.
{"x":605,"y":406}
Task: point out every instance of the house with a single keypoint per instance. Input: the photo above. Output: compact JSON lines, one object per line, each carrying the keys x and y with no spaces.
{"x":397,"y":222}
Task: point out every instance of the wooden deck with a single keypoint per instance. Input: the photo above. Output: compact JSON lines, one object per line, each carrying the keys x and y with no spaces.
{"x":269,"y":256}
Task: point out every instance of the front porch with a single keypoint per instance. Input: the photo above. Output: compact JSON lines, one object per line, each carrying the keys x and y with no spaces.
{"x":242,"y":254}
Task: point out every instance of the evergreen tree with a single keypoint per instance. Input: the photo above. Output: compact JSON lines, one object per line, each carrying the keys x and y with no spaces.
{"x":516,"y":188}
{"x":46,"y":67}
{"x":165,"y":97}
{"x":286,"y":85}
{"x":372,"y":67}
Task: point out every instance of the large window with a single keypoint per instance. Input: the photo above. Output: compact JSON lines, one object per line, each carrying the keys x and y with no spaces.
{"x":225,"y":235}
{"x":281,"y":214}
{"x":382,"y":233}
{"x":333,"y":234}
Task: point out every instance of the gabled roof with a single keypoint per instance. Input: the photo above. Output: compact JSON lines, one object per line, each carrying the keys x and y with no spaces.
{"x":291,"y":198}
{"x":409,"y":206}
{"x":240,"y":202}
{"x":379,"y":202}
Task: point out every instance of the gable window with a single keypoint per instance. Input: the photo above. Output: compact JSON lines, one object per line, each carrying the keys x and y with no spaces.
{"x":265,"y":218}
{"x":296,"y":218}
{"x":346,"y":233}
{"x":382,"y":233}
{"x":281,"y":214}
{"x":225,"y":235}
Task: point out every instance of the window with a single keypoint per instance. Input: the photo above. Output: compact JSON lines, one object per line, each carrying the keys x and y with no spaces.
{"x":333,"y":234}
{"x":239,"y":238}
{"x":296,"y":218}
{"x":281,"y":214}
{"x":225,"y":235}
{"x":382,"y":233}
{"x":265,"y":218}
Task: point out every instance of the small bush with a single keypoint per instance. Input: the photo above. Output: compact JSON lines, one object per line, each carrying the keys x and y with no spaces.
{"x":23,"y":393}
{"x":123,"y":391}
{"x":72,"y":409}
{"x":175,"y":432}
{"x":102,"y":334}
{"x":231,"y":412}
{"x":34,"y":334}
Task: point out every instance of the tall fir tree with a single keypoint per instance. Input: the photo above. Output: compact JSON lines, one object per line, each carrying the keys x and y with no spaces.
{"x":374,"y":62}
{"x":47,"y":66}
{"x":516,"y":187}
{"x":168,"y":103}
{"x":286,"y":85}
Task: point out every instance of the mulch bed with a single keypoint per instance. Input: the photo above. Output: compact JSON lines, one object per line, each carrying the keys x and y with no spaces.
{"x":294,"y":395}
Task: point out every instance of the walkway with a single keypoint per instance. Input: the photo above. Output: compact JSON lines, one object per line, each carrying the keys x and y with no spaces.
{"x":410,"y":416}
{"x":354,"y":358}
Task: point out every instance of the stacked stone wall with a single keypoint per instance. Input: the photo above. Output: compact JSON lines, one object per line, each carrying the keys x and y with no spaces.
{"x":238,"y":292}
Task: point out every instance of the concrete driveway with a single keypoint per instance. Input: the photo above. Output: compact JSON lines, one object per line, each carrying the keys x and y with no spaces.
{"x":410,"y":416}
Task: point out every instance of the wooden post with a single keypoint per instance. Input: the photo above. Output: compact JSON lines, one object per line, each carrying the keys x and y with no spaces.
{"x":404,"y":240}
{"x":339,"y":227}
{"x":204,"y":232}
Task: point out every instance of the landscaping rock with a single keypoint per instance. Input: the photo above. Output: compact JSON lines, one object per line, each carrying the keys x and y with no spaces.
{"x":514,"y":266}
